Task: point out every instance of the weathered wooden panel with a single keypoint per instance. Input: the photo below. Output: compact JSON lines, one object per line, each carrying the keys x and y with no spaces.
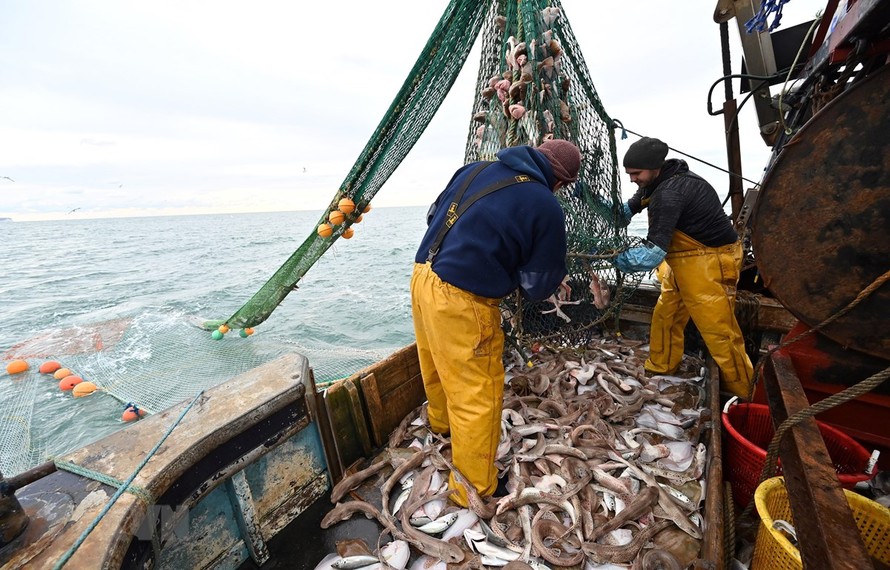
{"x":211,"y":529}
{"x":713,"y":547}
{"x":349,"y":426}
{"x":392,"y":388}
{"x":823,"y":520}
{"x":392,"y":372}
{"x":319,"y":413}
{"x":376,"y":412}
{"x":290,"y":470}
{"x":385,"y":411}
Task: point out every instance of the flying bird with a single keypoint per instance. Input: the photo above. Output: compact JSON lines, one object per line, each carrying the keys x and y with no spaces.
{"x":74,"y":210}
{"x":8,"y":178}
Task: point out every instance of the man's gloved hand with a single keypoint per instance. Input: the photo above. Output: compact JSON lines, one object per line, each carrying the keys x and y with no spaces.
{"x":642,"y":258}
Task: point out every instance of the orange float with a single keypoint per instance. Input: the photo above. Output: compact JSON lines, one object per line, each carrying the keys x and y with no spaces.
{"x":346,"y":205}
{"x":325,"y":230}
{"x":17,"y":367}
{"x":49,"y":367}
{"x":336,"y":217}
{"x":347,"y":233}
{"x":84,"y":389}
{"x":132,"y":413}
{"x":223,"y":328}
{"x":61,"y":373}
{"x":367,"y":209}
{"x":69,"y":382}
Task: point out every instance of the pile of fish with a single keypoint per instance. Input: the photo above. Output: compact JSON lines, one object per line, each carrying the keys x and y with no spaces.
{"x":603,"y":464}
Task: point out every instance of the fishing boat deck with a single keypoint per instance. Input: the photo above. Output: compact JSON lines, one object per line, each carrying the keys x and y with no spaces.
{"x":303,"y":543}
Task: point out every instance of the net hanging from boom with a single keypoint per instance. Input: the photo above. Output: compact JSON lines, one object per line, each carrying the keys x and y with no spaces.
{"x":533,"y":84}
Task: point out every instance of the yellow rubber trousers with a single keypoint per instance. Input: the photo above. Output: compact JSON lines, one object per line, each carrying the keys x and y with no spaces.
{"x":460,"y":344}
{"x":699,"y":282}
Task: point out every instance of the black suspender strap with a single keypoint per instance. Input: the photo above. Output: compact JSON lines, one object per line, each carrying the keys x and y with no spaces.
{"x":456,"y":209}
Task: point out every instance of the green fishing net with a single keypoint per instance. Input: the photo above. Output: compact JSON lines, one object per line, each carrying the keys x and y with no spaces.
{"x":533,"y":84}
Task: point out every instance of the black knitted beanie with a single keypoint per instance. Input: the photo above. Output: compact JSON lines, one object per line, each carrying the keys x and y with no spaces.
{"x":646,"y":154}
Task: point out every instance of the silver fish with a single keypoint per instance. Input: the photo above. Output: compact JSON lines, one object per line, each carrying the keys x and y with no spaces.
{"x":787,"y":528}
{"x":352,"y":562}
{"x":439,"y":525}
{"x":677,"y":495}
{"x":478,"y":544}
{"x":420,"y":521}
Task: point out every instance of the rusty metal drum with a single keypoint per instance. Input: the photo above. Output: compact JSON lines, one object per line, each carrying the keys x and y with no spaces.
{"x":820,"y":228}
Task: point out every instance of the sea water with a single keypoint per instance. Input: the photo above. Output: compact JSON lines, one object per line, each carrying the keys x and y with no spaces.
{"x":116,"y":301}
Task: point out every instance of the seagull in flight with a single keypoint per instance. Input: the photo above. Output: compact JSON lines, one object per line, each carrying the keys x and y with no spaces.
{"x":74,"y":210}
{"x":8,"y":178}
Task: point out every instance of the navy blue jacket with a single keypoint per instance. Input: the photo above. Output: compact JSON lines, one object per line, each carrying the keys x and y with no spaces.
{"x":513,"y":237}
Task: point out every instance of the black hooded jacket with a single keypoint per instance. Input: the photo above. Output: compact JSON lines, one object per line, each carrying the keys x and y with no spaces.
{"x":682,"y":200}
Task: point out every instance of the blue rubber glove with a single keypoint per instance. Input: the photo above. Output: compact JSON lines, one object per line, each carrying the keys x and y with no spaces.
{"x":643,"y":258}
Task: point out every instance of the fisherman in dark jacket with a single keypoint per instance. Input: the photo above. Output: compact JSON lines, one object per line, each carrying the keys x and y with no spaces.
{"x":496,"y":227}
{"x":698,"y":255}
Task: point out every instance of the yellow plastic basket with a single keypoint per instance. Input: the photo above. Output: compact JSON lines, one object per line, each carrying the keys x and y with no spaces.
{"x":773,"y":551}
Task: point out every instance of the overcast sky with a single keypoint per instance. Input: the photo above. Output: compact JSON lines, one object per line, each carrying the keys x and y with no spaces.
{"x":113,"y":108}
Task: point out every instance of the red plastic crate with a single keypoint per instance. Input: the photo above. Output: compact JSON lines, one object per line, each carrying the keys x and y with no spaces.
{"x":747,"y":432}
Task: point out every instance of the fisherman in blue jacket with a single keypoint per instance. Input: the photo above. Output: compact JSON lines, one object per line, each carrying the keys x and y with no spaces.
{"x":698,"y":255}
{"x":496,"y":227}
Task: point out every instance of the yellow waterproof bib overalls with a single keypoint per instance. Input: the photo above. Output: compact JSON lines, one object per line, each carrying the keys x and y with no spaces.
{"x":460,"y":345}
{"x":700,"y":282}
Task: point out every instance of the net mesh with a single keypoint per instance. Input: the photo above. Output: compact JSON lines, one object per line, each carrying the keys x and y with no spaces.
{"x":156,"y":362}
{"x":533,"y":84}
{"x":151,"y":360}
{"x":410,"y":113}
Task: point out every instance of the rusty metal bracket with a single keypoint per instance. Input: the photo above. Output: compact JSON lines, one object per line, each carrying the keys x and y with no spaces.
{"x":747,"y":207}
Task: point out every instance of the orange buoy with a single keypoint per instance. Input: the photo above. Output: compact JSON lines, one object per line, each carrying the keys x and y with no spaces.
{"x":61,"y":373}
{"x":336,"y":217}
{"x":16,"y":366}
{"x":132,"y":413}
{"x":84,"y":389}
{"x":223,"y":328}
{"x":346,"y":205}
{"x":367,"y":209}
{"x":358,"y":219}
{"x":249,"y":331}
{"x":347,"y":233}
{"x":325,"y":230}
{"x":49,"y":367}
{"x":69,"y":382}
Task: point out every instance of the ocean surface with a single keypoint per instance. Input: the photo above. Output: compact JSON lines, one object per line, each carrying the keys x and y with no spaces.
{"x":116,"y":301}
